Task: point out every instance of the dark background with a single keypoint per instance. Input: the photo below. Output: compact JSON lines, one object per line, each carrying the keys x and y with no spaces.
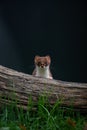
{"x":29,"y":28}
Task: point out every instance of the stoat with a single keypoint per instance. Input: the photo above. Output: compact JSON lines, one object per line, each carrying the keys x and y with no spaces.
{"x":42,"y":67}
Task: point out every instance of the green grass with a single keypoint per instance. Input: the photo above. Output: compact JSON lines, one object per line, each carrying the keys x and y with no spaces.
{"x":45,"y":117}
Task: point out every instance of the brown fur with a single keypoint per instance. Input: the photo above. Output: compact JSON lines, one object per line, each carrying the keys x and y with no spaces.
{"x":42,"y":61}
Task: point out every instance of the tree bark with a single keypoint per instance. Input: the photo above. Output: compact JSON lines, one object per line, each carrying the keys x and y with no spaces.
{"x":20,"y":86}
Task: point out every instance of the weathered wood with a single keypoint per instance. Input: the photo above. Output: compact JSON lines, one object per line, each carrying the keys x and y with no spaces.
{"x":21,"y":86}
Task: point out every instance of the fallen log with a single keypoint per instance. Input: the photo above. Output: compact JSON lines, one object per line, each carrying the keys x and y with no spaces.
{"x":24,"y":85}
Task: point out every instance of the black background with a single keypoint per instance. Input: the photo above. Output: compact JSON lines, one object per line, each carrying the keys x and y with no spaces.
{"x":29,"y":28}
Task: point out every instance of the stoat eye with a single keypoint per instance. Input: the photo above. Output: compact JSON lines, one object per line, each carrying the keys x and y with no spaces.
{"x":39,"y":63}
{"x":45,"y":63}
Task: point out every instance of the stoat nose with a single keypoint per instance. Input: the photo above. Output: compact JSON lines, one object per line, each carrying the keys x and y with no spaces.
{"x":42,"y":65}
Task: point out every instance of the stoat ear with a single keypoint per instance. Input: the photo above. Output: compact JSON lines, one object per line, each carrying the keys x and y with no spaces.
{"x":36,"y":58}
{"x":48,"y":58}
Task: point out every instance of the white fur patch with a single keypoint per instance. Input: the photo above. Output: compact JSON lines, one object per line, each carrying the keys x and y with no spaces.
{"x":43,"y":72}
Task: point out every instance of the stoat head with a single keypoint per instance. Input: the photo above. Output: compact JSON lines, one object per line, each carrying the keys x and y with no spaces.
{"x":42,"y":61}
